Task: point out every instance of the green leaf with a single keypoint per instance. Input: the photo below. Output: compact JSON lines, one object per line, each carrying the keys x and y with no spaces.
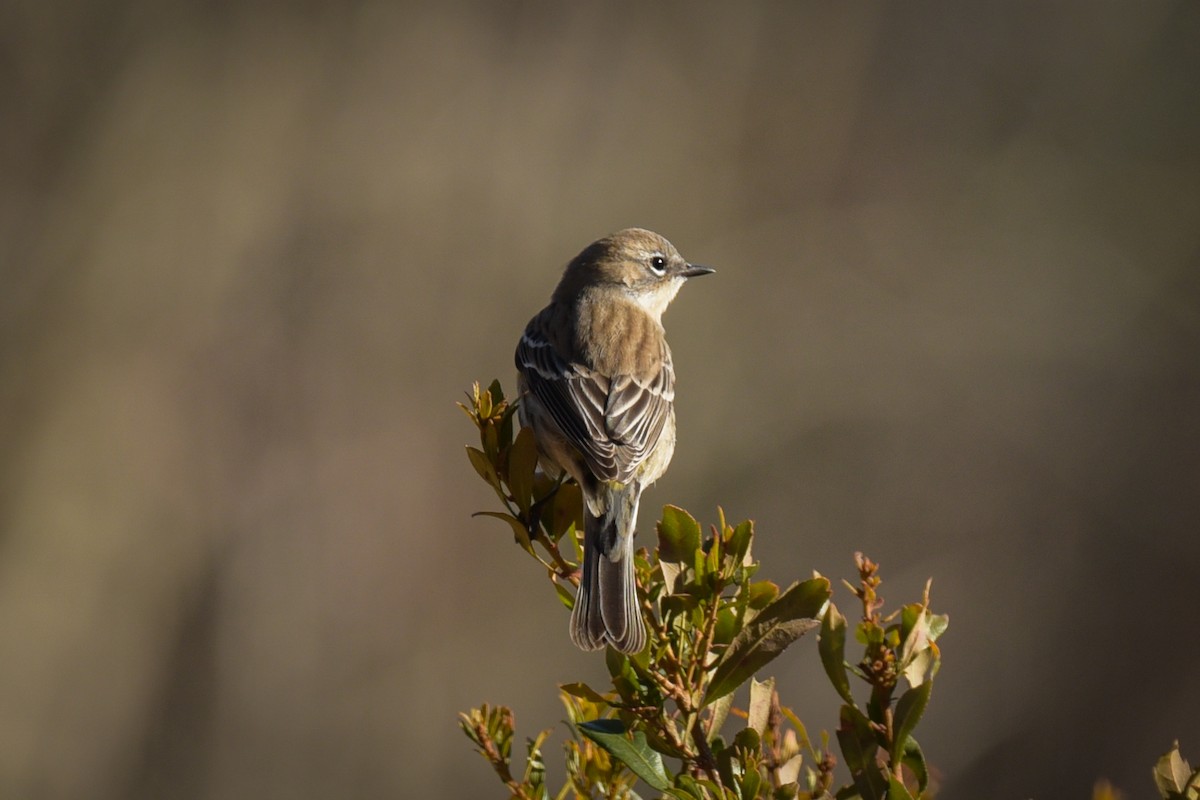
{"x":728,"y":767}
{"x":483,"y":466}
{"x":831,"y":644}
{"x":766,"y":636}
{"x":858,"y":745}
{"x":914,"y":759}
{"x":897,"y":790}
{"x":495,"y":391}
{"x":742,"y":573}
{"x":700,"y":789}
{"x":635,"y":754}
{"x":700,"y":565}
{"x":909,"y":615}
{"x":506,"y":424}
{"x":877,"y":706}
{"x":567,"y":509}
{"x":678,"y":536}
{"x":726,"y":627}
{"x":518,"y":528}
{"x":750,"y":784}
{"x":686,"y":788}
{"x":625,"y":678}
{"x":681,"y":794}
{"x":739,"y":542}
{"x":617,"y":663}
{"x":583,"y":692}
{"x":869,"y":633}
{"x":535,"y":764}
{"x":679,"y":605}
{"x":855,"y":729}
{"x":661,"y":745}
{"x":909,"y":709}
{"x":712,"y":565}
{"x":749,"y":740}
{"x":760,"y":704}
{"x":564,"y":595}
{"x":787,"y":791}
{"x":1172,"y":773}
{"x":717,"y":744}
{"x":761,"y":593}
{"x":489,"y":436}
{"x":522,"y":461}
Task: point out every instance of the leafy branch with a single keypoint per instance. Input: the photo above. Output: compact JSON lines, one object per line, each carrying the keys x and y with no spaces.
{"x":711,"y":628}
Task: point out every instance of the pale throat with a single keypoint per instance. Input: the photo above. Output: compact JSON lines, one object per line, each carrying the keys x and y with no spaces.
{"x":656,"y":299}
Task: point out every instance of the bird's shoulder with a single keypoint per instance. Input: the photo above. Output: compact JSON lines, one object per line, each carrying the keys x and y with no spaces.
{"x":607,"y":341}
{"x":547,"y":343}
{"x":617,"y":337}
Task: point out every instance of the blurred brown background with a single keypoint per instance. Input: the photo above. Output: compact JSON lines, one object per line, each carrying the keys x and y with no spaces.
{"x":252,"y":254}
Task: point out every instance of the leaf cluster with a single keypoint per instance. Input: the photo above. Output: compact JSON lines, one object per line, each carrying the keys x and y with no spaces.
{"x":1175,"y":778}
{"x":876,"y":736}
{"x":712,"y":626}
{"x":539,"y":510}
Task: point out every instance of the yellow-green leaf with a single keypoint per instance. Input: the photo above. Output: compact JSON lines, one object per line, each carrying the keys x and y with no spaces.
{"x":522,"y":461}
{"x":564,"y":595}
{"x":766,"y":636}
{"x":678,"y":536}
{"x":739,"y":542}
{"x":483,"y":466}
{"x":831,"y":645}
{"x":518,"y":528}
{"x":897,"y":790}
{"x":761,"y":594}
{"x":583,"y":691}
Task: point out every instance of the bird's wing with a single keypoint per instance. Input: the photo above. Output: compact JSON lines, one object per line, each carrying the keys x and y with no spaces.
{"x":636,"y":413}
{"x":613,"y":422}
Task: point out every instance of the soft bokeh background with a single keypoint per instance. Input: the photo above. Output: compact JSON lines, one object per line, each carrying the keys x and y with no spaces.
{"x":252,"y":254}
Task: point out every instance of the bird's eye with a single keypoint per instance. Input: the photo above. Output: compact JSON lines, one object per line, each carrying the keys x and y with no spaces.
{"x":658,"y":265}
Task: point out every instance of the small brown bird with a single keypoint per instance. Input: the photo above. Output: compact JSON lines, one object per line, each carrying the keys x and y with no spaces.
{"x":597,"y":387}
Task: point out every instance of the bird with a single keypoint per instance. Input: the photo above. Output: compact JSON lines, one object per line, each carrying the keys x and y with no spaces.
{"x":596,"y":384}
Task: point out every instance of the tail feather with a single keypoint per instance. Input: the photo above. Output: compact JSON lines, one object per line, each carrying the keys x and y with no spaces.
{"x":606,"y":607}
{"x":587,"y":623}
{"x":619,"y":601}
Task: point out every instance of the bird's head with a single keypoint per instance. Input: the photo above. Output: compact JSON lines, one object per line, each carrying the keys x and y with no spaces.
{"x":636,"y":262}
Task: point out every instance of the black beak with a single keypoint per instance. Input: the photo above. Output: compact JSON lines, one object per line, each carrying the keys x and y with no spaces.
{"x":692,"y":270}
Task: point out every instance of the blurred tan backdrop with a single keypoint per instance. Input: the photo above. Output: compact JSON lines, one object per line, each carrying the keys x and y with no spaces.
{"x":252,"y":254}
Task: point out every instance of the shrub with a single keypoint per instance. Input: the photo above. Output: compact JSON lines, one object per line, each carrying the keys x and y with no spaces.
{"x":711,"y":627}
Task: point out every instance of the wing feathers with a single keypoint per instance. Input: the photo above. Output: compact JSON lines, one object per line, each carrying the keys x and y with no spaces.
{"x":613,"y":422}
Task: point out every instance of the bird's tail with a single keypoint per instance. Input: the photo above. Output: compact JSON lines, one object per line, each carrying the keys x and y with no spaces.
{"x":607,"y":608}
